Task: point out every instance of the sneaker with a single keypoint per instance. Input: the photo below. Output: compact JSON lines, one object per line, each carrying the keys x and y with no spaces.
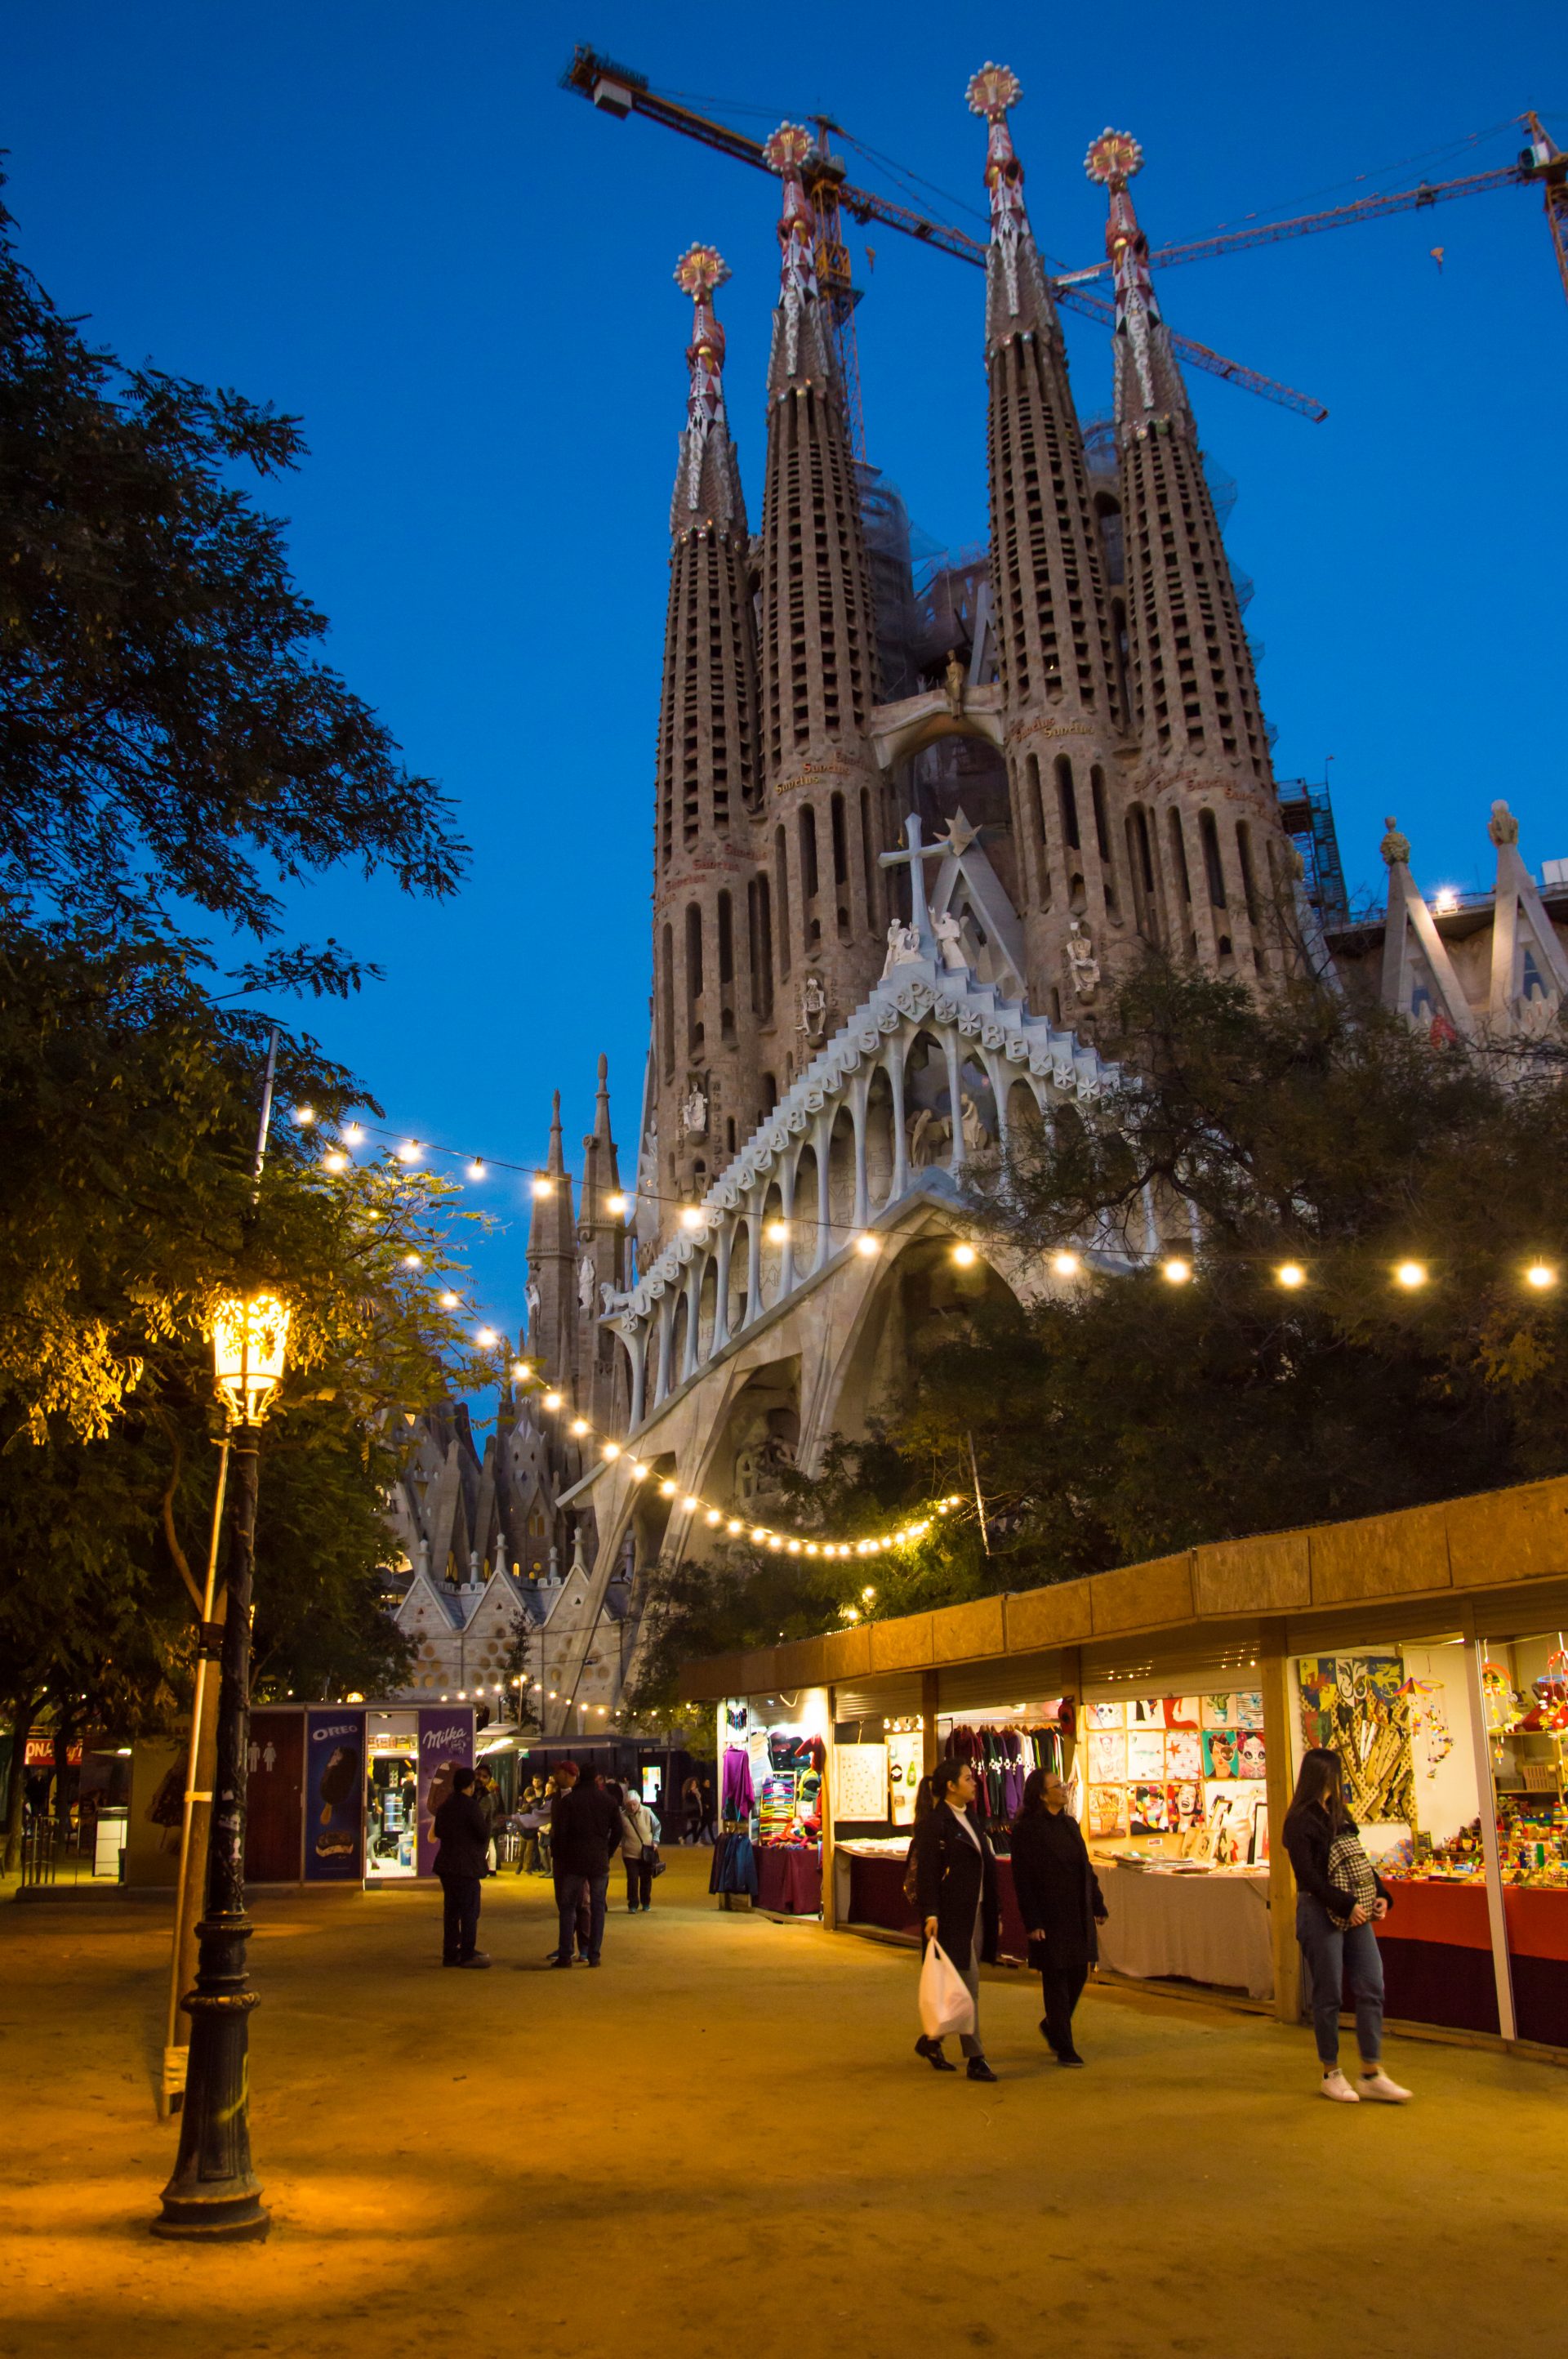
{"x":1378,"y":2086}
{"x":1337,"y":2089}
{"x":980,"y":2070}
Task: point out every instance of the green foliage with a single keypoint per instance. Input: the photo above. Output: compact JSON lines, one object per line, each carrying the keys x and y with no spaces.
{"x":166,"y":729}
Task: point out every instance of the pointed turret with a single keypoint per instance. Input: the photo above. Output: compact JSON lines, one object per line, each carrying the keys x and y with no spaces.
{"x":601,"y":1262}
{"x":1217,"y":885}
{"x":704,"y":1026}
{"x":552,"y":1302}
{"x":815,"y":903}
{"x":1061,"y":703}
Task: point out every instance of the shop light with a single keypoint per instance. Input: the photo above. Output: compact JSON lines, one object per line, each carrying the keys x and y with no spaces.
{"x":1410,"y":1274}
{"x":579,"y":1427}
{"x":777,"y":1232}
{"x":543,"y":1187}
{"x":336,"y":1161}
{"x":552,"y":1400}
{"x":1175,"y":1272}
{"x":1065,"y":1264}
{"x":866,"y":1243}
{"x":1540,"y":1274}
{"x":1290,"y":1273}
{"x":963,"y":1254}
{"x":616,"y":1204}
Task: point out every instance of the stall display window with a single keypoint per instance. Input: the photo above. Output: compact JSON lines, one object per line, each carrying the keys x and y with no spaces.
{"x":1180,"y":1774}
{"x":1524,"y":1682}
{"x":391,"y":1795}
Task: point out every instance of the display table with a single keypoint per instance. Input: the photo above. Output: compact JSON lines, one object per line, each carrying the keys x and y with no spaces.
{"x":1209,"y":1927}
{"x":1436,"y":1944}
{"x":869,"y":1886}
{"x":789,"y":1879}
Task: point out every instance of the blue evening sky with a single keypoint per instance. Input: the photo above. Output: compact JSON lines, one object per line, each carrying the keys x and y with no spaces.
{"x":384,"y":215}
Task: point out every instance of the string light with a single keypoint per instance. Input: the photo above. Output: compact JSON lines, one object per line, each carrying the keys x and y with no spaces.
{"x":486,"y":1337}
{"x":552,"y":1400}
{"x":666,"y":1489}
{"x":413,"y":1261}
{"x":964,"y":1255}
{"x":777,"y":1233}
{"x":335,"y":1161}
{"x":713,"y":1517}
{"x":305,"y":1115}
{"x":1065,"y":1264}
{"x":522,"y":1371}
{"x":616,"y":1204}
{"x":409,"y":1151}
{"x":692,"y":1216}
{"x":1412,"y":1274}
{"x":639,"y":1472}
{"x":543,"y":1187}
{"x":449,"y":1301}
{"x":476,"y":1170}
{"x":611,"y":1450}
{"x":1176,"y":1272}
{"x":352,"y":1135}
{"x":690,"y":1505}
{"x":1290,"y":1273}
{"x":1539,"y":1274}
{"x":866,"y":1243}
{"x":580,"y":1426}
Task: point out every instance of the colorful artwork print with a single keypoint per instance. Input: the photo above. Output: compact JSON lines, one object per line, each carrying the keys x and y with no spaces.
{"x":1181,"y":1711}
{"x":1108,"y":1756}
{"x":1354,"y":1704}
{"x":1183,"y":1753}
{"x":1106,"y":1812}
{"x":1186,"y":1804}
{"x":1247,"y":1711}
{"x":1250,"y":1759}
{"x":1105,"y":1716}
{"x":1220,"y":1749}
{"x":1146,"y":1753}
{"x":1149,"y":1810}
{"x":1146,"y":1712}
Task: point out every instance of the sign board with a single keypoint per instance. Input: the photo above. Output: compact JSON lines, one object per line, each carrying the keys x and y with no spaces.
{"x":446,"y":1742}
{"x":859,"y":1781}
{"x":334,"y":1795}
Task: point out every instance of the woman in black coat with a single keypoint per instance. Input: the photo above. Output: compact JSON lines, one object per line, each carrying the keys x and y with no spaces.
{"x":956,"y":1893}
{"x":1060,"y":1901}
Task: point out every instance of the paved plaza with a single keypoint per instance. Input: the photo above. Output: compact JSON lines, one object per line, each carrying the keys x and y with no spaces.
{"x":720,"y":2142}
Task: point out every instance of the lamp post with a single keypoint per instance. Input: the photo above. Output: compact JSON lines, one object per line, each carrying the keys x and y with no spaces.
{"x":213,"y":2195}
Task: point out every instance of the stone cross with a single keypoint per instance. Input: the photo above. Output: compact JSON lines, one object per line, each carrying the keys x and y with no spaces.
{"x":914,"y":859}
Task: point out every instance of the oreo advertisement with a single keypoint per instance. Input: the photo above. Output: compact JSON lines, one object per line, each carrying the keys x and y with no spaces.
{"x":334,"y":1794}
{"x":446,"y":1742}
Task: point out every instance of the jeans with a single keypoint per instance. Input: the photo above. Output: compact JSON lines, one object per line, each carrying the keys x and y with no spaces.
{"x":460,"y":1917}
{"x":639,"y":1882}
{"x":1060,"y":1987}
{"x":571,"y":1891}
{"x":1329,"y":1956}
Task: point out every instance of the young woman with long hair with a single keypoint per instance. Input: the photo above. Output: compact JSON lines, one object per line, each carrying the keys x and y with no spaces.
{"x":1339,"y":1898}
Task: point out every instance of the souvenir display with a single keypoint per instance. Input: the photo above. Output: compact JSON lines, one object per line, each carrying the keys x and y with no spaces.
{"x":906,"y":1749}
{"x":1358,"y":1705}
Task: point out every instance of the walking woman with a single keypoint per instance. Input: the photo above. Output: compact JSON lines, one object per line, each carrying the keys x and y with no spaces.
{"x":956,"y":1888}
{"x":1339,"y":1898}
{"x":1059,"y":1899}
{"x":639,"y":1849}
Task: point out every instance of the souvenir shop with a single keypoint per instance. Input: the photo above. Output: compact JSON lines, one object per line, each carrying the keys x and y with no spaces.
{"x":773,"y":1762}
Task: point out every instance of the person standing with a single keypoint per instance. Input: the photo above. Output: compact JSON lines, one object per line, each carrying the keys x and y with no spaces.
{"x":639,"y":1849}
{"x":956,"y":1887}
{"x":487,"y":1794}
{"x":707,"y":1833}
{"x":1060,"y":1901}
{"x":461,"y":1838}
{"x":691,"y":1805}
{"x":585,"y":1827}
{"x":1339,"y":1898}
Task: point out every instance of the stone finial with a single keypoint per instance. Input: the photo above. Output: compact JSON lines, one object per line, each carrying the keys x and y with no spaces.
{"x":1502,"y":826}
{"x":1395,"y":847}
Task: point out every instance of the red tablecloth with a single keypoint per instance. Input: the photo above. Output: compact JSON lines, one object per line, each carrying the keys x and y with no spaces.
{"x":789,"y":1879}
{"x":876,"y":1898}
{"x":1454,"y":1913}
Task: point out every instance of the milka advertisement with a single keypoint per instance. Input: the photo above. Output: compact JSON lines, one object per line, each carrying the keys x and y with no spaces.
{"x":446,"y":1742}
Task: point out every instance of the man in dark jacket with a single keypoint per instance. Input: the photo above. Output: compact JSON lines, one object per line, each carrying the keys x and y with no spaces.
{"x":460,"y":1830}
{"x":956,"y":1892}
{"x":585,"y":1828}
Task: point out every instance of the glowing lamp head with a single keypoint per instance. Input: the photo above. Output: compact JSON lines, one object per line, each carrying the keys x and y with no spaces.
{"x":866,"y":1244}
{"x":335,"y":1161}
{"x":486,"y":1337}
{"x":580,"y":1426}
{"x":666,"y":1489}
{"x":734,"y":1526}
{"x":476,"y":1170}
{"x":305,"y":1115}
{"x":639,"y":1472}
{"x":617,"y":1203}
{"x":522,"y":1370}
{"x":777,"y":1232}
{"x":1065,"y":1264}
{"x":794,"y":1548}
{"x":552,"y":1400}
{"x":409,"y":1151}
{"x":542,"y":1186}
{"x":965,"y":1255}
{"x":250,"y":1339}
{"x":712,"y":1517}
{"x":1290,"y":1273}
{"x":1540,"y":1274}
{"x":691,"y":1216}
{"x":689,"y":1505}
{"x":611,"y":1450}
{"x":1409,"y":1275}
{"x":1175,"y":1272}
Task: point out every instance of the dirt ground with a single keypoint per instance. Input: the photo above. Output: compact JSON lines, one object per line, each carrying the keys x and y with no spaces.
{"x":721,"y":2142}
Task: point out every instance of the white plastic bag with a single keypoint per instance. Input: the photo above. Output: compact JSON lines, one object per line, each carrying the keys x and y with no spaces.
{"x":945,"y":2002}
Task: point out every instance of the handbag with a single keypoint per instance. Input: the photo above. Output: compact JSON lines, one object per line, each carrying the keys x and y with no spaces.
{"x":652,"y":1862}
{"x":945,"y":2002}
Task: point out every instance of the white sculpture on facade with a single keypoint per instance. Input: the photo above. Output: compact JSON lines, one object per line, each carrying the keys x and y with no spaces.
{"x":694,"y":1112}
{"x":585,"y":1283}
{"x":903,"y":947}
{"x":950,"y":943}
{"x":1083,"y":967}
{"x":813,"y":1008}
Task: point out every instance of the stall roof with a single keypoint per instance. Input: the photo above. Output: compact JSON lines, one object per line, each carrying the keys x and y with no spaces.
{"x":1468,"y":1562}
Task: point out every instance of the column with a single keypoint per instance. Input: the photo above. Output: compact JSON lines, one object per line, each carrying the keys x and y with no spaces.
{"x":1274,"y":1675}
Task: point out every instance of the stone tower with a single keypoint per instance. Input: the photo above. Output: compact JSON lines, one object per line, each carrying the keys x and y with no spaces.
{"x":815,"y":903}
{"x":601,"y":1238}
{"x":1209,"y":856}
{"x":551,"y":1268}
{"x":1065,"y":721}
{"x":705,"y":1060}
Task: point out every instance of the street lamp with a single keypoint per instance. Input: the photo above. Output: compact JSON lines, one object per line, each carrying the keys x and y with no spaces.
{"x":213,"y":2195}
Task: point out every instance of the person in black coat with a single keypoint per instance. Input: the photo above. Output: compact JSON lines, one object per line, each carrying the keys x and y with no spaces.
{"x":460,"y":1828}
{"x":956,"y":1893}
{"x":585,"y":1829}
{"x":1060,"y":1901}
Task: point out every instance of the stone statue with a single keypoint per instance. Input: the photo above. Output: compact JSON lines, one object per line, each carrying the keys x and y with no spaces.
{"x":1083,"y":967}
{"x":1395,"y":847}
{"x":530,"y":1298}
{"x":693,"y":1113}
{"x":813,"y":1008}
{"x":922,"y":1140}
{"x":972,"y":1123}
{"x":955,"y":682}
{"x":585,"y":1283}
{"x":949,"y":942}
{"x":1502,"y":826}
{"x":903,"y":947}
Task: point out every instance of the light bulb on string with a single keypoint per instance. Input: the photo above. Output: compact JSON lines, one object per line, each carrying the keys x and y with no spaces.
{"x":412,"y":1260}
{"x":580,"y":1426}
{"x":476,"y":1170}
{"x":690,"y":1505}
{"x":1065,"y":1264}
{"x":965,"y":1255}
{"x":667,"y":1490}
{"x":541,"y":1186}
{"x":639,"y":1471}
{"x":616,"y":1204}
{"x":866,"y":1243}
{"x":522,"y":1371}
{"x":1175,"y":1272}
{"x":304,"y":1115}
{"x":1290,"y":1273}
{"x":611,"y":1450}
{"x":551,"y":1400}
{"x":352,"y":1135}
{"x":1540,"y":1274}
{"x":409,"y":1151}
{"x":486,"y":1337}
{"x":777,"y":1233}
{"x":336,"y":1160}
{"x":1410,"y":1274}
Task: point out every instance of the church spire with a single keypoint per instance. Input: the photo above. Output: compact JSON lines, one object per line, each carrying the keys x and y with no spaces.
{"x":1062,"y":713}
{"x":708,"y":479}
{"x":550,"y":1263}
{"x":1215,"y":856}
{"x":802,"y":350}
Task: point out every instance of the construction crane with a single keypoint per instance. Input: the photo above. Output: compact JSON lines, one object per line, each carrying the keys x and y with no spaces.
{"x":616,"y":89}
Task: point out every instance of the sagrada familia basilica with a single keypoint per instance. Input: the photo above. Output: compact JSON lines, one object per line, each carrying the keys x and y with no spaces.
{"x":908,"y":835}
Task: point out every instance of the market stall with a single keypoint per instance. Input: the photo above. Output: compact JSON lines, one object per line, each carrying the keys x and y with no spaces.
{"x":772,"y":1763}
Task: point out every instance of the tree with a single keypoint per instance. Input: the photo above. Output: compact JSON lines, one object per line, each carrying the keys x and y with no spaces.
{"x":166,"y":729}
